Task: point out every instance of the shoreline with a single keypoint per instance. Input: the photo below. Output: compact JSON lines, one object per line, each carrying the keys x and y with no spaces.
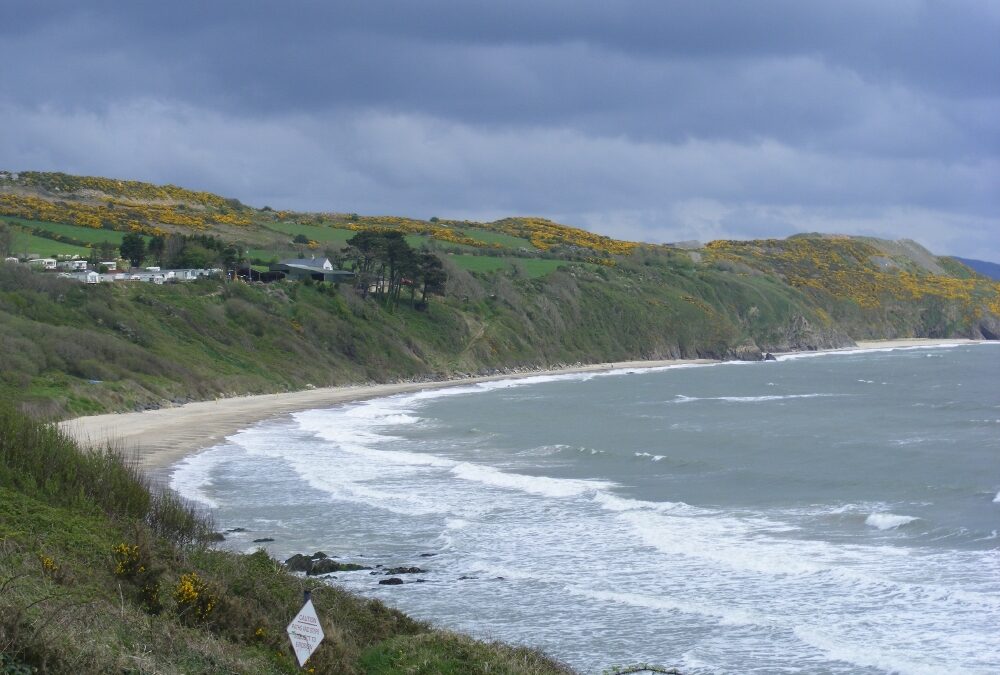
{"x":159,"y":438}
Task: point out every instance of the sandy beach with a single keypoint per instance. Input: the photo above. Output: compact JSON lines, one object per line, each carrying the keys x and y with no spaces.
{"x":159,"y":438}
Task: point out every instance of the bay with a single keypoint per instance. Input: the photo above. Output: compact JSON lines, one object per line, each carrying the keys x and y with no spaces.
{"x":827,"y":513}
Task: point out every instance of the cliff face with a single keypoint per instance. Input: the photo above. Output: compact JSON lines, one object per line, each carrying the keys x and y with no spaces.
{"x":988,"y":328}
{"x":798,"y":336}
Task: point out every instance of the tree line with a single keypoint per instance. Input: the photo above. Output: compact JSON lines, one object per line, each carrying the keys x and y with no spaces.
{"x":181,"y":251}
{"x":384,"y":263}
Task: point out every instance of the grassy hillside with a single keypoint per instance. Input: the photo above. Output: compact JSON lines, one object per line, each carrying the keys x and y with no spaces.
{"x":521,"y":292}
{"x":875,"y":288}
{"x":100,"y":574}
{"x":75,"y":349}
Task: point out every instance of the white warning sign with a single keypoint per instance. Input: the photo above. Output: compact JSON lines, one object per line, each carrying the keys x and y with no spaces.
{"x":305,"y":632}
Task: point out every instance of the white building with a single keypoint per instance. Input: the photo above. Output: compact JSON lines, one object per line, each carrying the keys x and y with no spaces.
{"x":44,"y":263}
{"x":87,"y":277}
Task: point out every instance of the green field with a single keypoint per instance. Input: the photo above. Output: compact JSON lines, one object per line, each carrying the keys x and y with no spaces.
{"x":26,"y":242}
{"x":47,"y":248}
{"x":533,"y":267}
{"x":318,"y":233}
{"x":267,"y":255}
{"x":336,"y":235}
{"x":87,"y":234}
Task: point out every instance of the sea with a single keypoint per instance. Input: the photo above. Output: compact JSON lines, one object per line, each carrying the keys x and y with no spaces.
{"x":823,"y":513}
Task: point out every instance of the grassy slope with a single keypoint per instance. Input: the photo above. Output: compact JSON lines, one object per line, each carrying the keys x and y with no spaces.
{"x":539,"y":299}
{"x":75,"y":349}
{"x":69,"y":349}
{"x":75,"y":596}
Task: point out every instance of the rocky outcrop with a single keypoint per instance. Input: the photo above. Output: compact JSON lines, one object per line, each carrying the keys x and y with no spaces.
{"x":318,"y":564}
{"x":988,"y":328}
{"x":748,"y":351}
{"x":405,"y":570}
{"x":800,"y":335}
{"x":329,"y":566}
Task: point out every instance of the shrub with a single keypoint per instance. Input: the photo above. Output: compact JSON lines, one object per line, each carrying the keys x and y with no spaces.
{"x":195,"y":599}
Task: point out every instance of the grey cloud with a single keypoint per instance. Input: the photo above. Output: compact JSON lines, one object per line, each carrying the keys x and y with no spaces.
{"x":421,"y":166}
{"x":642,"y":119}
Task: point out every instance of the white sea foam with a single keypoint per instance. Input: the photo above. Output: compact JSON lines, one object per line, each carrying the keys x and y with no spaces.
{"x":616,"y":504}
{"x":655,"y":458}
{"x":871,"y":350}
{"x":544,"y":450}
{"x":844,"y":508}
{"x":536,"y":485}
{"x":681,"y":398}
{"x":888,"y":521}
{"x":191,"y":477}
{"x":996,"y":500}
{"x":725,"y":616}
{"x":887,"y":660}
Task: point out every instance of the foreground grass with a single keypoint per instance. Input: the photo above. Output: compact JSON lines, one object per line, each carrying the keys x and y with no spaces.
{"x":99,"y":573}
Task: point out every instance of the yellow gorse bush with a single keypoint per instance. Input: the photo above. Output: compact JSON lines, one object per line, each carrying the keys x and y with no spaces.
{"x":193,"y":597}
{"x":544,"y":234}
{"x":49,"y":565}
{"x":127,"y":560}
{"x":847,"y":268}
{"x":128,"y":190}
{"x":115,"y":214}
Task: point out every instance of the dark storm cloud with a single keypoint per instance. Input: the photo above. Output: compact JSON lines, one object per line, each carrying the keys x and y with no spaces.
{"x":658,"y":120}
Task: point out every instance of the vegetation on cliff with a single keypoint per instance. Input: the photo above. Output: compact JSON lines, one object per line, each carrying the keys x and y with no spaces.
{"x":520,"y":292}
{"x":99,"y":574}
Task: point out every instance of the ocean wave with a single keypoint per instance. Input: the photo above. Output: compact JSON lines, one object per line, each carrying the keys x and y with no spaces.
{"x":725,"y":616}
{"x":192,"y":475}
{"x":871,"y":350}
{"x":655,"y":458}
{"x":888,"y":521}
{"x":861,"y":655}
{"x":536,"y":485}
{"x":681,"y":398}
{"x":996,"y":500}
{"x":610,"y":502}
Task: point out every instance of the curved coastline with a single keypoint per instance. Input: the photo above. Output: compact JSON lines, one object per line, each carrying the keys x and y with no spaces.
{"x":160,"y":438}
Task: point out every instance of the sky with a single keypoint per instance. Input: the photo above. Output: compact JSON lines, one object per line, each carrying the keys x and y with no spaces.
{"x":652,"y":120}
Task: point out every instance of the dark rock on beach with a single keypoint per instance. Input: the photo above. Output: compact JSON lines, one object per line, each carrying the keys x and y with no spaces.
{"x":263,"y":541}
{"x":329,"y":565}
{"x":405,"y":570}
{"x":769,"y":357}
{"x":392,"y":581}
{"x":324,"y":566}
{"x":299,"y":563}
